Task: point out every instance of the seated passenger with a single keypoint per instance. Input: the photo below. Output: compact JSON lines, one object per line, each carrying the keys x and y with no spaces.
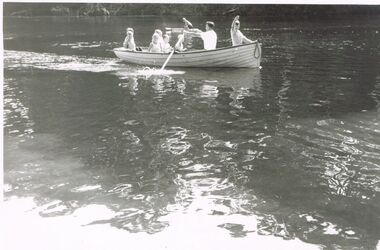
{"x":129,"y":41}
{"x":155,"y":45}
{"x":237,"y":36}
{"x":161,"y":40}
{"x":166,"y":47}
{"x":179,"y":45}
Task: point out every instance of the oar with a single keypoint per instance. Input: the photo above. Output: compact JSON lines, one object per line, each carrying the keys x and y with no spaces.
{"x":167,"y":60}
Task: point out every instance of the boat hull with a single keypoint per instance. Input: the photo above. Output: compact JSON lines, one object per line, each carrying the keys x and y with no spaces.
{"x":242,"y":56}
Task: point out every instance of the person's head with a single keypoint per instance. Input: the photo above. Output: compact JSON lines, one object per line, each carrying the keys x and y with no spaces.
{"x":166,"y":38}
{"x":129,"y":34}
{"x":209,"y":25}
{"x":129,"y":30}
{"x":159,"y":32}
{"x":155,"y":38}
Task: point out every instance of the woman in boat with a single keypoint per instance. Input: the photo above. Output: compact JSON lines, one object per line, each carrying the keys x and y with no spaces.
{"x":209,"y":37}
{"x":179,"y":45}
{"x":161,"y":40}
{"x":155,"y":45}
{"x":129,"y":41}
{"x":166,"y":47}
{"x":237,"y":36}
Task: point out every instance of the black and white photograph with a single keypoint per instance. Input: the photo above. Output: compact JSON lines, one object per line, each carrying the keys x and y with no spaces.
{"x":190,"y":125}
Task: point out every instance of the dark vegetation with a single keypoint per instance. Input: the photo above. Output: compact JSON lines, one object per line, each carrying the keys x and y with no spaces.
{"x":287,"y":12}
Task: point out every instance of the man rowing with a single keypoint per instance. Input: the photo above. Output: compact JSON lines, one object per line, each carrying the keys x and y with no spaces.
{"x":237,"y":36}
{"x":209,"y":36}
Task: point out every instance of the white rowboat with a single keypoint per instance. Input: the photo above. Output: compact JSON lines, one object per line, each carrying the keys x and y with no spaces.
{"x":241,"y":56}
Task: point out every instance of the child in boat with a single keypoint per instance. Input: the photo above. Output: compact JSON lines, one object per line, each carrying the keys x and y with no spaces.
{"x":155,"y":45}
{"x":166,"y":47}
{"x":179,"y":45}
{"x":161,"y":40}
{"x":129,"y":41}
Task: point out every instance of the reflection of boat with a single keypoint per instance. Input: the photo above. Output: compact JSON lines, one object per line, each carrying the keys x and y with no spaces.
{"x":235,"y":78}
{"x":242,"y":56}
{"x":240,"y":82}
{"x":238,"y":78}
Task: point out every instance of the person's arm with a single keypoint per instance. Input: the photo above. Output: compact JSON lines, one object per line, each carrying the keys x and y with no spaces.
{"x":193,"y":32}
{"x":246,"y":40}
{"x":150,"y":47}
{"x":196,"y":30}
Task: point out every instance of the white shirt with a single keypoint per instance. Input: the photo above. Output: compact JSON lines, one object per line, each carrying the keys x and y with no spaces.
{"x":238,"y":38}
{"x":209,"y":39}
{"x":129,"y":43}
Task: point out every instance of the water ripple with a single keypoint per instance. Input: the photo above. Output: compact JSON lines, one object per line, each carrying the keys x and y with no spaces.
{"x":176,"y":143}
{"x":50,"y":61}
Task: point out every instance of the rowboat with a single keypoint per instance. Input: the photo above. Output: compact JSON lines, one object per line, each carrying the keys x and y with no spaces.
{"x":241,"y":56}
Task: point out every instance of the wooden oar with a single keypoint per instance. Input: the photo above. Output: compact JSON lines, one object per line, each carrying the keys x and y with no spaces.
{"x":167,"y":60}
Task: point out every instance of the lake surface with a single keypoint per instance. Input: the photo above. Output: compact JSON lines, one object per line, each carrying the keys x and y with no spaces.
{"x":100,"y":153}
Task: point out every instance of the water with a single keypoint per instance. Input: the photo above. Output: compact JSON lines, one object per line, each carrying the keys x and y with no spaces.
{"x":284,"y":157}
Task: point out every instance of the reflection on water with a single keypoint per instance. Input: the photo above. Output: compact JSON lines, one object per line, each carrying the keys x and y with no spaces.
{"x":290,"y":151}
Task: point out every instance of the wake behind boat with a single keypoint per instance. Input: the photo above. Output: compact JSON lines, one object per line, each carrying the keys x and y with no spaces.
{"x":241,"y":56}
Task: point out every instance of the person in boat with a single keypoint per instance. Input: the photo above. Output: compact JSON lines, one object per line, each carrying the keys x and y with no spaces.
{"x":129,"y":41}
{"x":209,"y":36}
{"x":166,"y":47}
{"x":237,"y":36}
{"x":155,"y":45}
{"x":179,"y":45}
{"x":161,"y":39}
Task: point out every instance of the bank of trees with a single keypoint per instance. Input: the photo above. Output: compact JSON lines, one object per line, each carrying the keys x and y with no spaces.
{"x":259,"y":11}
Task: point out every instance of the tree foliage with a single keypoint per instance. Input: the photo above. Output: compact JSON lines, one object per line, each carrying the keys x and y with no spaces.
{"x":287,"y":12}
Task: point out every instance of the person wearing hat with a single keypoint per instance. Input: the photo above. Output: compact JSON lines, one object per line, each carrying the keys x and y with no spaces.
{"x":155,"y":46}
{"x":236,"y":36}
{"x":161,"y":39}
{"x":209,"y":37}
{"x":129,"y":41}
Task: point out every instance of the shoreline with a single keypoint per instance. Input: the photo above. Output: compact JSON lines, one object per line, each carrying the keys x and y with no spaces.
{"x":269,"y":12}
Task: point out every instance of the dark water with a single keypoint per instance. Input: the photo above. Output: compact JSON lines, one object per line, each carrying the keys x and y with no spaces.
{"x":288,"y":152}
